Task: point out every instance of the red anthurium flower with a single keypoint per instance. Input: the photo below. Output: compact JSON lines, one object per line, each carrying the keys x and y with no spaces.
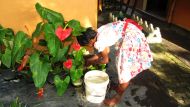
{"x":40,"y":92}
{"x":19,"y":69}
{"x":68,"y":64}
{"x":62,"y":34}
{"x":23,"y":63}
{"x":76,"y":46}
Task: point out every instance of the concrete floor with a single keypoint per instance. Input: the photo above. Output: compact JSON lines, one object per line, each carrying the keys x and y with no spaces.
{"x":166,"y":84}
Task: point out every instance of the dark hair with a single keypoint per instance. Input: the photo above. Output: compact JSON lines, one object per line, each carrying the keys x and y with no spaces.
{"x":86,"y":36}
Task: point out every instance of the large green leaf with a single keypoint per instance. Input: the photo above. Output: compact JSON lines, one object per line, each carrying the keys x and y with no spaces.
{"x":77,"y":29}
{"x":49,"y":15}
{"x":6,"y":35}
{"x":40,"y":70}
{"x":61,"y":56}
{"x":20,"y":44}
{"x":6,"y":58}
{"x":9,"y":33}
{"x":76,"y":73}
{"x":78,"y":57}
{"x":53,"y":42}
{"x":38,"y":30}
{"x":61,"y":85}
{"x":8,"y":43}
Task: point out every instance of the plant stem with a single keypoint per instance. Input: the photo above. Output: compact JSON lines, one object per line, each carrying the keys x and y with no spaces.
{"x":65,"y":26}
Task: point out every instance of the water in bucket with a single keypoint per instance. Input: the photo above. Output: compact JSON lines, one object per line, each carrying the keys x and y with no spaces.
{"x":96,"y":85}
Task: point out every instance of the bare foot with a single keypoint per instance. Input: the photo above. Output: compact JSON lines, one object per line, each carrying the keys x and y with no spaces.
{"x":113,"y":101}
{"x":118,"y":89}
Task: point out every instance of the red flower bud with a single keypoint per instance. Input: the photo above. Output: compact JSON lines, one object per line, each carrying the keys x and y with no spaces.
{"x":62,"y":34}
{"x":23,"y":63}
{"x":40,"y":92}
{"x":19,"y":69}
{"x":68,"y":64}
{"x":76,"y":46}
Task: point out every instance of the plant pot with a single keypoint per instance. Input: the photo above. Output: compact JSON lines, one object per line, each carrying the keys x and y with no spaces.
{"x":77,"y":83}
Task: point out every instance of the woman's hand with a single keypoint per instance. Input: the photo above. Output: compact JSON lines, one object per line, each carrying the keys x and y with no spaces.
{"x":100,"y":58}
{"x":91,"y":60}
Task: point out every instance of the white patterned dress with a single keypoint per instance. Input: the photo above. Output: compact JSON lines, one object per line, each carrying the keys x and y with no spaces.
{"x":132,"y":54}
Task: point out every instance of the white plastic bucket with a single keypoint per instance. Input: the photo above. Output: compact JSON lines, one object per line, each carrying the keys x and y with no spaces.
{"x":96,"y":85}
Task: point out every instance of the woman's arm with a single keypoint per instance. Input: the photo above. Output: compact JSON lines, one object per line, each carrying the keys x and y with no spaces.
{"x":100,"y":58}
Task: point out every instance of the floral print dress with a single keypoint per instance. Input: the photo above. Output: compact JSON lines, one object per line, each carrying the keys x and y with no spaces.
{"x":132,"y":53}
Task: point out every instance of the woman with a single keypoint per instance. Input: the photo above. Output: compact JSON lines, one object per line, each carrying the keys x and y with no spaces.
{"x":131,"y":51}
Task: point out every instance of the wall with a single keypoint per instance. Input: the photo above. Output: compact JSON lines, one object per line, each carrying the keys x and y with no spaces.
{"x":139,"y":3}
{"x":17,"y":14}
{"x":181,"y":14}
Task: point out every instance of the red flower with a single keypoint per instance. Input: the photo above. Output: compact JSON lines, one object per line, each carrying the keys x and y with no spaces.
{"x":19,"y":69}
{"x":23,"y":63}
{"x":62,"y":34}
{"x":40,"y":92}
{"x":76,"y":46}
{"x":68,"y":64}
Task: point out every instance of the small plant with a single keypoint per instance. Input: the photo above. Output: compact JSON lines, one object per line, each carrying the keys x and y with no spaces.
{"x":12,"y":47}
{"x":14,"y":103}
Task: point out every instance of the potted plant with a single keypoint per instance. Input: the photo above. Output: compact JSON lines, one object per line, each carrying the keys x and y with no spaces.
{"x":51,"y":50}
{"x":61,"y":55}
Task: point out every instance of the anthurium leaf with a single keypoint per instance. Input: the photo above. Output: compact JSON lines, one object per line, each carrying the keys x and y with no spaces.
{"x":76,"y":73}
{"x":2,"y":36}
{"x":61,"y":85}
{"x":77,"y":29}
{"x":6,"y":58}
{"x":38,"y":30}
{"x":53,"y":42}
{"x":61,"y":56}
{"x":78,"y":57}
{"x":40,"y":70}
{"x":49,"y":15}
{"x":20,"y":44}
{"x":9,"y":33}
{"x":45,"y":58}
{"x":8,"y":43}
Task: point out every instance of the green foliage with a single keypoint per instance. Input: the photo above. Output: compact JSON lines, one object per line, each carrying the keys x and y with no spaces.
{"x":39,"y":70}
{"x":20,"y":44}
{"x":41,"y":63}
{"x":77,"y":28}
{"x":53,"y":43}
{"x":16,"y":103}
{"x":76,"y":73}
{"x":58,"y":53}
{"x":50,"y":15}
{"x":101,"y":67}
{"x":6,"y":34}
{"x":38,"y":30}
{"x":12,"y":46}
{"x":61,"y":85}
{"x":6,"y":58}
{"x":61,"y":55}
